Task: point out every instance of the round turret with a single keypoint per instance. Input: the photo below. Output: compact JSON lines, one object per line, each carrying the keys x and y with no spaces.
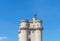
{"x":38,"y":24}
{"x":24,"y":24}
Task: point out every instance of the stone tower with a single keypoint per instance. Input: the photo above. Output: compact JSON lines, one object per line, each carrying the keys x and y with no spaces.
{"x":30,"y":30}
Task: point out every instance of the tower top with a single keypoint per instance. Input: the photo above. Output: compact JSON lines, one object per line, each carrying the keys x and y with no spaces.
{"x":35,"y":19}
{"x":35,"y":15}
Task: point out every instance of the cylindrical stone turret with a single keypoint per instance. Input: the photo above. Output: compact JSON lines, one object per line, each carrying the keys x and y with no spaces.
{"x":23,"y":35}
{"x":23,"y":30}
{"x":38,"y":35}
{"x":24,"y":24}
{"x":38,"y":32}
{"x":38,"y":24}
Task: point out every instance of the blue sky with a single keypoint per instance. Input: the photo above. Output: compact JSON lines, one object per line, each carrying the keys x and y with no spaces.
{"x":12,"y":11}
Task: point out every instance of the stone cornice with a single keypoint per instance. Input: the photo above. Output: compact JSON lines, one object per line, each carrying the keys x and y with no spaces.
{"x":31,"y":28}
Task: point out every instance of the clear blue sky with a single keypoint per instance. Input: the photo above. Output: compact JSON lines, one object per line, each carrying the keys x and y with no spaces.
{"x":12,"y":11}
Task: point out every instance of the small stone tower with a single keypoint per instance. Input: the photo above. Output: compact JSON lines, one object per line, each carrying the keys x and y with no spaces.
{"x":30,"y":30}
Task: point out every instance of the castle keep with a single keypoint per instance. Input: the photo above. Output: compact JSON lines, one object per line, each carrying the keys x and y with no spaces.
{"x":30,"y":30}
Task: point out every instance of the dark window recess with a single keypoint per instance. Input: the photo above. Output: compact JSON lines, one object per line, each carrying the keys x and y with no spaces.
{"x":29,"y":39}
{"x":29,"y":33}
{"x":19,"y":31}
